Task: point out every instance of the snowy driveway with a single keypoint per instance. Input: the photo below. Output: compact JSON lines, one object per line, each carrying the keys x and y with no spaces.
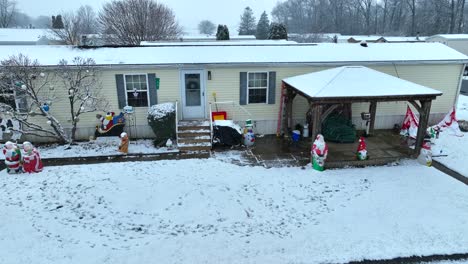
{"x":208,"y":211}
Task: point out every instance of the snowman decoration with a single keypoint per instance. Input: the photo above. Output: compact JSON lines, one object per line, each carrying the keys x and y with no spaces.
{"x":425,"y":156}
{"x":362,"y":149}
{"x":319,"y":153}
{"x":249,"y":136}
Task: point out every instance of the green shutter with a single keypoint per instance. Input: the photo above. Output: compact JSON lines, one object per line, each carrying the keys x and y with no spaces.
{"x":243,"y":88}
{"x":119,"y":79}
{"x":271,"y":87}
{"x":153,"y":93}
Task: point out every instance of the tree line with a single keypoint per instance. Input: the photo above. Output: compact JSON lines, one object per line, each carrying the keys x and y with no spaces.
{"x":383,"y":17}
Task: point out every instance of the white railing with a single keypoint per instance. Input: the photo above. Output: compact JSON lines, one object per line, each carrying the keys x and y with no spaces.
{"x":177,"y":122}
{"x":211,"y":126}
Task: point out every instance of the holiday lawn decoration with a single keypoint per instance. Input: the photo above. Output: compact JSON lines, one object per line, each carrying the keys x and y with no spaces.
{"x":12,"y":157}
{"x":450,"y":123}
{"x":425,"y":156}
{"x":110,"y":125}
{"x":362,"y":150}
{"x":319,"y":153}
{"x":31,"y":158}
{"x":249,"y":136}
{"x":124,"y":141}
{"x":409,"y":128}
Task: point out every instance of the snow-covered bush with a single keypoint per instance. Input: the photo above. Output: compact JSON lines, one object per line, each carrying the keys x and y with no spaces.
{"x":161,"y":118}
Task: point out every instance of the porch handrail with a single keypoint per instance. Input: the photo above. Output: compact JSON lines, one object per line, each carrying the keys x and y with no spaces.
{"x":211,"y":124}
{"x":177,"y":122}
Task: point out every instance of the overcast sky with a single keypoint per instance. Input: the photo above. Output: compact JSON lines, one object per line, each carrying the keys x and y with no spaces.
{"x":188,"y":12}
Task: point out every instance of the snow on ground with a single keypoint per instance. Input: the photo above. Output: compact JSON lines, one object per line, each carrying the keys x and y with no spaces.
{"x":456,"y":148}
{"x":210,"y":211}
{"x":108,"y":146}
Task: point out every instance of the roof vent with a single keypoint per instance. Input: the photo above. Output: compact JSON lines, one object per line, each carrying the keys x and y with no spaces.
{"x":363,"y":44}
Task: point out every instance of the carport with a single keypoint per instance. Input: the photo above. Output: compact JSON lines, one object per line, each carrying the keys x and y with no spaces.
{"x":326,"y":90}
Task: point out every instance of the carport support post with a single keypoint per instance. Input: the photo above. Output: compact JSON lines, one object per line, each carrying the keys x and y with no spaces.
{"x":290,"y":95}
{"x":316,"y":121}
{"x":372,"y":111}
{"x":424,"y":112}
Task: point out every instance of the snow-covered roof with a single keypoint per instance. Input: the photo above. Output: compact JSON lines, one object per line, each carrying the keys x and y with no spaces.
{"x":359,"y":37}
{"x":11,"y":35}
{"x":326,"y":53}
{"x":218,"y":43}
{"x":213,"y":37}
{"x":356,"y":81}
{"x":451,"y":36}
{"x":404,"y":39}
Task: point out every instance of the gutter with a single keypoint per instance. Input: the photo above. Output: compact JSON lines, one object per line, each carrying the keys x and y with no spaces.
{"x":269,"y":64}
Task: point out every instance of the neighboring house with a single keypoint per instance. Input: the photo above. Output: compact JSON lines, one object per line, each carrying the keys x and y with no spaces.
{"x":267,"y":42}
{"x":205,"y":38}
{"x":458,"y":42}
{"x":248,"y":76}
{"x":379,"y":39}
{"x":26,"y":36}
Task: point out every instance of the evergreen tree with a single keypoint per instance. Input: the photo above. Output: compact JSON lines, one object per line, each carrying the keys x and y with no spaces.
{"x":247,"y":25}
{"x":54,"y":22}
{"x":278,"y":31}
{"x":263,"y":27}
{"x":206,"y":27}
{"x":222,"y":33}
{"x":58,"y":22}
{"x":226,"y":32}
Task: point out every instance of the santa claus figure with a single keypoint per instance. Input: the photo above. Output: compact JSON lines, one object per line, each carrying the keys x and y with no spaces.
{"x":319,"y":153}
{"x":425,"y":156}
{"x":107,"y":120}
{"x":362,"y":149}
{"x":31,"y":158}
{"x":12,"y":157}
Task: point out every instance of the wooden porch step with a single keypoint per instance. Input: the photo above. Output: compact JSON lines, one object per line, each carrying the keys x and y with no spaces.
{"x":194,"y":148}
{"x":191,"y":140}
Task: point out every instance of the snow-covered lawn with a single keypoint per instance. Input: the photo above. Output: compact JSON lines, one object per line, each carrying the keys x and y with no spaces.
{"x":210,"y":211}
{"x":456,"y":148}
{"x":101,"y":147}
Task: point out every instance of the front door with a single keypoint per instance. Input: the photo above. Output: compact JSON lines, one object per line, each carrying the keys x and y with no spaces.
{"x":193,"y":94}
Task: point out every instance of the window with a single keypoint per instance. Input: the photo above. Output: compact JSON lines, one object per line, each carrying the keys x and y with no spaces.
{"x":257,"y":87}
{"x":8,"y":97}
{"x":136,"y":87}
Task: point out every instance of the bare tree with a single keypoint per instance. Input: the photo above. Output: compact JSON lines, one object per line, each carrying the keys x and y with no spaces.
{"x":81,"y":81}
{"x":7,"y":11}
{"x":88,"y":20}
{"x":24,"y":78}
{"x":42,"y":22}
{"x":129,"y":22}
{"x":70,"y":33}
{"x":206,"y":27}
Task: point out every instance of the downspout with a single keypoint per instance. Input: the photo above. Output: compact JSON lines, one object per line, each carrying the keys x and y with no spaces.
{"x":459,"y":86}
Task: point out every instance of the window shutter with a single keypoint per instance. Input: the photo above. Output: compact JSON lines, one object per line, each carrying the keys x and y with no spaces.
{"x":243,"y":88}
{"x":119,"y":79}
{"x":21,"y":101}
{"x":153,"y":93}
{"x":271,"y":87}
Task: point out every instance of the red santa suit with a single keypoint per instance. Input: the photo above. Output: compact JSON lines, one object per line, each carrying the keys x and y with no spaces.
{"x":31,"y":159}
{"x":12,"y":157}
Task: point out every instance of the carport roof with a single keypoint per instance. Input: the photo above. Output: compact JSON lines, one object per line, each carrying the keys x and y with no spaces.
{"x":357,"y":83}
